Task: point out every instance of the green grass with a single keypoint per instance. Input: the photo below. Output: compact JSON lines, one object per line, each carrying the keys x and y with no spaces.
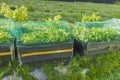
{"x":5,"y":71}
{"x":101,"y":67}
{"x":15,"y":70}
{"x":70,"y":11}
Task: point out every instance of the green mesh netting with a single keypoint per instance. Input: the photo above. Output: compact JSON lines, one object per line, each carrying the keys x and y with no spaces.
{"x":5,"y":35}
{"x":42,"y":32}
{"x":91,"y":24}
{"x":95,"y":32}
{"x":113,"y":23}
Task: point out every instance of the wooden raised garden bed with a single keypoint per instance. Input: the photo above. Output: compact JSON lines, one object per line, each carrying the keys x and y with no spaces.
{"x":44,"y":41}
{"x":92,"y":38}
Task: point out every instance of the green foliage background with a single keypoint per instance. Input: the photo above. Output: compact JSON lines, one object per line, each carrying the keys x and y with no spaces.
{"x":71,"y":11}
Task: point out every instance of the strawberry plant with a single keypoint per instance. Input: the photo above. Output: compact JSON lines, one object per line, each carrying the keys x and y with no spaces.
{"x":41,"y":33}
{"x":5,"y":37}
{"x":95,"y":34}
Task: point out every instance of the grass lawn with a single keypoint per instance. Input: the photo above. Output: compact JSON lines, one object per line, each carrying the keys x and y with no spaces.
{"x":70,"y":11}
{"x":101,"y":67}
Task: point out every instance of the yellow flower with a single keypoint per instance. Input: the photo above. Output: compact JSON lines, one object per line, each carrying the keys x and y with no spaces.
{"x":57,"y":18}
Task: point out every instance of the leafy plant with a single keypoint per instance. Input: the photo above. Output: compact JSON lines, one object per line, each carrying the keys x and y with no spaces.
{"x":5,"y":37}
{"x":19,"y":14}
{"x":56,"y":18}
{"x":91,"y":18}
{"x":49,"y":33}
{"x":95,"y":34}
{"x":24,"y":72}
